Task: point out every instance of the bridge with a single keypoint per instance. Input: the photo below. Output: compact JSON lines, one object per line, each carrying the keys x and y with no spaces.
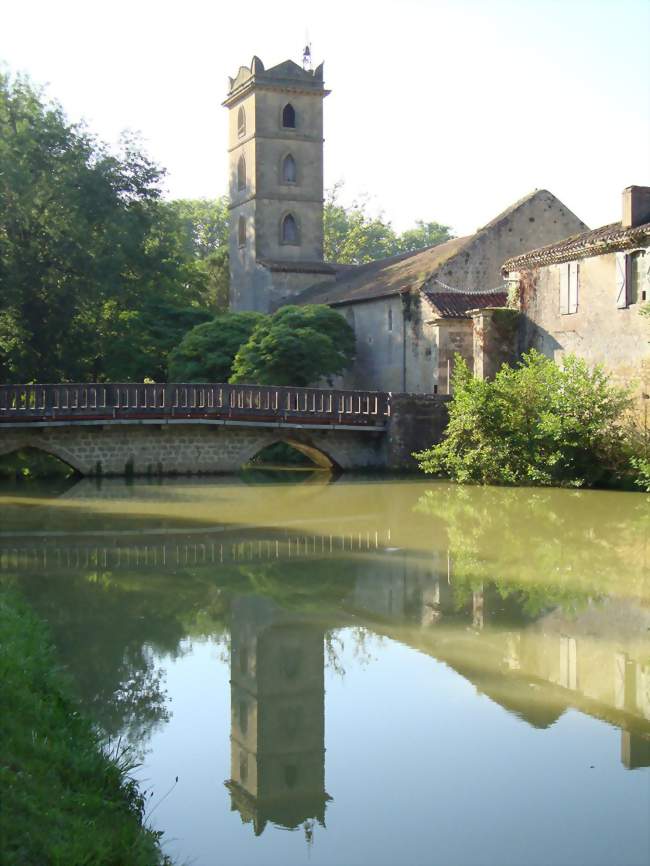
{"x":189,"y":428}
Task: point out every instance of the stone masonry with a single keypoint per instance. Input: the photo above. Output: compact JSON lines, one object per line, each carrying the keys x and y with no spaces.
{"x":187,"y":449}
{"x":195,"y":447}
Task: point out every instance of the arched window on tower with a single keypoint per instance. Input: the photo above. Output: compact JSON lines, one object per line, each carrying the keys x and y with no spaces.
{"x":289,"y":232}
{"x":289,"y":174}
{"x":241,"y":173}
{"x":241,"y":231}
{"x":241,"y":122}
{"x":289,"y":116}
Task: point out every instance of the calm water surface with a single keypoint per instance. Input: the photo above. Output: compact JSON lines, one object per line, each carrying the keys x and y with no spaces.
{"x":360,"y":671}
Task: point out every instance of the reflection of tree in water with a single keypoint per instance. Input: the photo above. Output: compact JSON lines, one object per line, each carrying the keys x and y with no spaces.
{"x":108,"y":628}
{"x":363,"y":640}
{"x":542,"y":548}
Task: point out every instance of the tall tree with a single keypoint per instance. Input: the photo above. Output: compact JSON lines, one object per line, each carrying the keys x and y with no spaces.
{"x":93,"y":265}
{"x":205,"y":223}
{"x":352,"y":235}
{"x":423,"y":235}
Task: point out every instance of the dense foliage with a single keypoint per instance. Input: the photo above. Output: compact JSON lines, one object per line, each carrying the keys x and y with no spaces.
{"x":204,"y":226}
{"x":353,"y":236}
{"x":97,"y":276}
{"x":537,"y":423}
{"x":207,"y":352}
{"x":64,"y":800}
{"x":296,"y":346}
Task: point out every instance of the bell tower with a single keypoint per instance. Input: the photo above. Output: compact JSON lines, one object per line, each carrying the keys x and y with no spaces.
{"x":275,"y":161}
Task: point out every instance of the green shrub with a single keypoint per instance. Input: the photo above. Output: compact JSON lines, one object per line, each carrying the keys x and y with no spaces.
{"x":296,"y":346}
{"x":642,"y":476}
{"x":206,"y":353}
{"x":536,"y":423}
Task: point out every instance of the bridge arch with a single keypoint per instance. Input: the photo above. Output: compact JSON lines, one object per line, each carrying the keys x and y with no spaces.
{"x":318,"y":457}
{"x":62,"y":455}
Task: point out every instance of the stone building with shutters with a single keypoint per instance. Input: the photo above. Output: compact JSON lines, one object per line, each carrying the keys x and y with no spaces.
{"x":584,"y":294}
{"x":411,"y":313}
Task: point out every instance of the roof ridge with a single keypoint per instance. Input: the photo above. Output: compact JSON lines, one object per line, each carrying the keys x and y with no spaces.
{"x":608,"y":238}
{"x":398,"y":257}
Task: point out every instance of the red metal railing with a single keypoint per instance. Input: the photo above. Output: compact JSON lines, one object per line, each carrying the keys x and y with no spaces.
{"x":113,"y":401}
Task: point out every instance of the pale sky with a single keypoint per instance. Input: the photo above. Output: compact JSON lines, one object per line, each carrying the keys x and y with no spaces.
{"x":444,"y":110}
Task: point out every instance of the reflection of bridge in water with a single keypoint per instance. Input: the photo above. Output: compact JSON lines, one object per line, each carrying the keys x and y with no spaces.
{"x":173,"y":549}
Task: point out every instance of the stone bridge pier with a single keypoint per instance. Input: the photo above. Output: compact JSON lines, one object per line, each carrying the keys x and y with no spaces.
{"x":195,"y":446}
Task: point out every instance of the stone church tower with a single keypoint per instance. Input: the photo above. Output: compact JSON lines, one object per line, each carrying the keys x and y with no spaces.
{"x":275,"y":156}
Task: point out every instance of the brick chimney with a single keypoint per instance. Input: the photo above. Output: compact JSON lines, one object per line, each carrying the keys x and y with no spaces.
{"x":636,"y":206}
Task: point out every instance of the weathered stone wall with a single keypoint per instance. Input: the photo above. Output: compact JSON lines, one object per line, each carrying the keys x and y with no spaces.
{"x":397,"y":348}
{"x":255,"y":287}
{"x":151,"y":449}
{"x":417,"y":421}
{"x":598,"y":331}
{"x":495,"y":338}
{"x":539,"y":220}
{"x":454,"y":338}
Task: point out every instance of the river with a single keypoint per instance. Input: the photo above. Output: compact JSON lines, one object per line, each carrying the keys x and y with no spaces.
{"x":357,"y":671}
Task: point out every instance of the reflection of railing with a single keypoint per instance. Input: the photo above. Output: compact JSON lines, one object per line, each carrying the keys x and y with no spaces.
{"x":19,"y":554}
{"x":109,"y":401}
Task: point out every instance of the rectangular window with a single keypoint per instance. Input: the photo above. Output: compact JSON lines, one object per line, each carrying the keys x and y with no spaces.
{"x":390,"y":318}
{"x":569,"y":282}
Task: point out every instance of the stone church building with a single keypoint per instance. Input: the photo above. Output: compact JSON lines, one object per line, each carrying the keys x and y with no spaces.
{"x":411,"y":313}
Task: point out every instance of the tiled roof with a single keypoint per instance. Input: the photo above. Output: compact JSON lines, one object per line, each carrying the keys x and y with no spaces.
{"x":409,"y":271}
{"x":607,"y":239}
{"x":456,"y":305}
{"x":391,"y":276}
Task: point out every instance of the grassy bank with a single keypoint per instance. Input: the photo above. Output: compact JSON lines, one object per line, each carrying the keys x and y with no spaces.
{"x":63,"y":800}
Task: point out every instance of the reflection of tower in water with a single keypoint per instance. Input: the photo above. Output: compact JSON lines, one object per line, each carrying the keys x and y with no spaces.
{"x":277,"y":716}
